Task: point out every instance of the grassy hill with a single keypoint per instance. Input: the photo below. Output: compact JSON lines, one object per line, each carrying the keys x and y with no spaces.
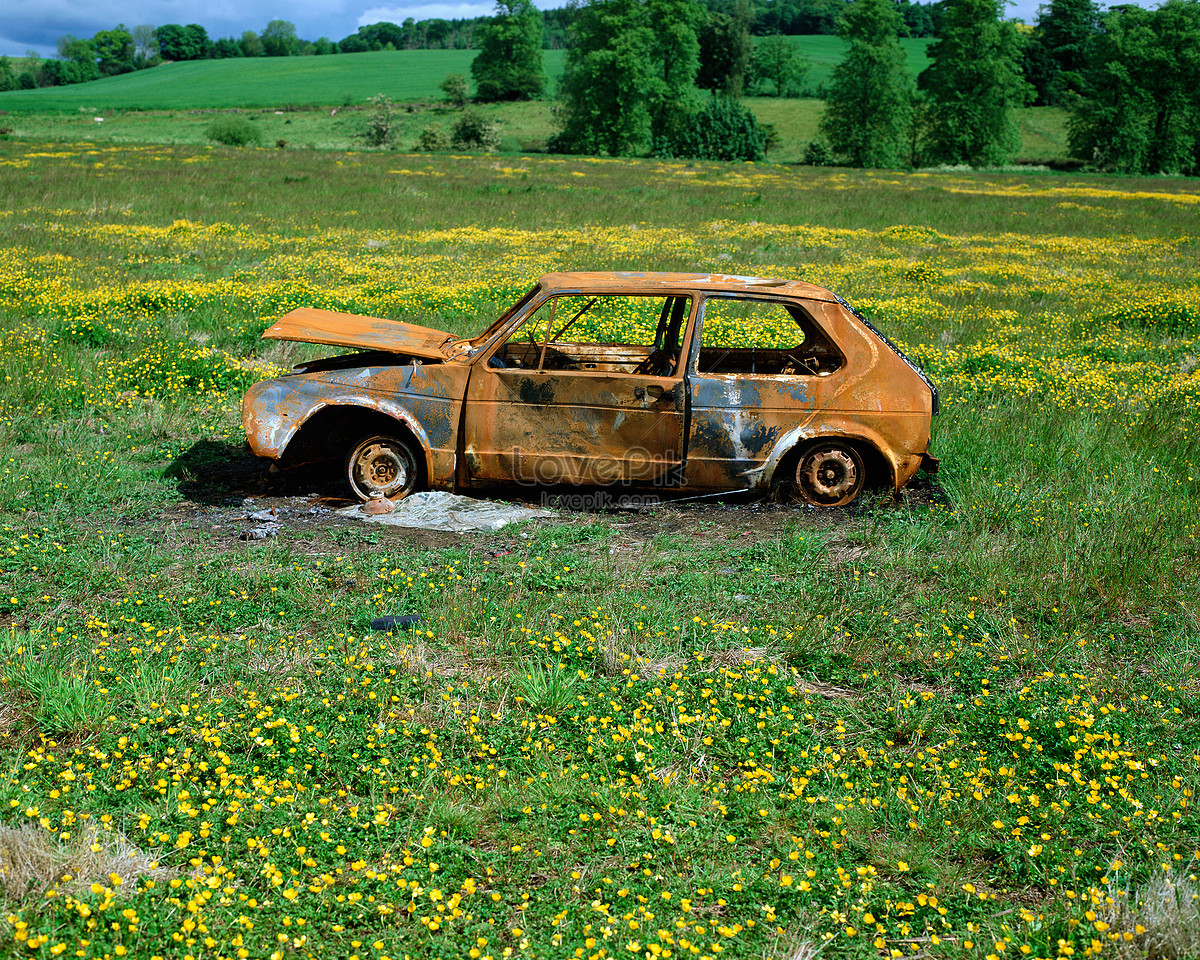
{"x":261,"y":82}
{"x":168,"y":104}
{"x":328,"y":81}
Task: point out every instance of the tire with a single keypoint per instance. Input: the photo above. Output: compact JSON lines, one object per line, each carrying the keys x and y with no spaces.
{"x":830,"y":474}
{"x":380,"y":464}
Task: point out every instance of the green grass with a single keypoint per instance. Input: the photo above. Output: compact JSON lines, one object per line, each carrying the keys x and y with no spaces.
{"x":1043,"y":132}
{"x":969,"y":716}
{"x":822,"y":53}
{"x":262,"y":82}
{"x":526,"y":126}
{"x":318,"y":102}
{"x":326,"y":81}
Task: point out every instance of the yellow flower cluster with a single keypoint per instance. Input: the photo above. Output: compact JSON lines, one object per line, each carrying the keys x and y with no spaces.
{"x":1016,"y":314}
{"x":366,"y":790}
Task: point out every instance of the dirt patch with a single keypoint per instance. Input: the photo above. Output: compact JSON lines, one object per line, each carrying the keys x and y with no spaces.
{"x":231,"y":499}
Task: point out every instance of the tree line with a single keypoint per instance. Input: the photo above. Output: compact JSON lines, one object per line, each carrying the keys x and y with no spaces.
{"x":661,"y":77}
{"x":1129,"y":77}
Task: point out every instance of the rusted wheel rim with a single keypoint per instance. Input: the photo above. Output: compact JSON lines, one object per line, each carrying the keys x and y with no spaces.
{"x":380,"y":465}
{"x":830,"y":476}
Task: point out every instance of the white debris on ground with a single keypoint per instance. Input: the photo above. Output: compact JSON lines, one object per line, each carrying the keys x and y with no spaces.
{"x":435,"y":510}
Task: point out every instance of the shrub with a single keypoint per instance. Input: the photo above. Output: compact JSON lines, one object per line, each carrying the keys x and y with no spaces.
{"x":473,"y":131}
{"x":817,"y":154}
{"x":233,"y":130}
{"x":723,"y":130}
{"x":433,"y":137}
{"x":379,"y":125}
{"x":456,"y":89}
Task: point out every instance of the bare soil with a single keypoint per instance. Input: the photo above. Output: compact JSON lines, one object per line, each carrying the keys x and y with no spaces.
{"x":229,"y":499}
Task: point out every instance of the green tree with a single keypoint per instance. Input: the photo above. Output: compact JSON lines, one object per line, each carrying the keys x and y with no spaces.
{"x":509,"y":63}
{"x":279,"y":39}
{"x":723,"y":129}
{"x":629,"y":80}
{"x":1140,"y":110}
{"x":776,"y":62}
{"x":251,"y":44}
{"x":972,"y":83}
{"x":456,"y":89}
{"x":77,"y":63}
{"x":868,"y":112}
{"x":177,"y":42}
{"x":725,"y":50}
{"x":115,"y":51}
{"x":8,"y":76}
{"x":1056,"y":53}
{"x":226,"y":48}
{"x":76,"y":49}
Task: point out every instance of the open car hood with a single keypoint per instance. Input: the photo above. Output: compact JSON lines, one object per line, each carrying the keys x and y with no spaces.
{"x":309,"y":325}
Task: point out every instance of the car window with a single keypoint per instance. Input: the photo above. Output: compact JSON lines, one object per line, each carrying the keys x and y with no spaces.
{"x":504,"y":317}
{"x":763,"y":337}
{"x":606,"y":333}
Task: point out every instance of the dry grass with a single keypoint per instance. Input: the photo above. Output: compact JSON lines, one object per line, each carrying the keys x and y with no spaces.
{"x":32,"y":860}
{"x":1158,"y":921}
{"x":794,"y":946}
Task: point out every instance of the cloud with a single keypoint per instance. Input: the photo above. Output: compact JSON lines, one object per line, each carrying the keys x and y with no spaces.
{"x":426,"y":11}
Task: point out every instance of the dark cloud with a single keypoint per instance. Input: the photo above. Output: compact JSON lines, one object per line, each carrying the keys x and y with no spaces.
{"x":38,"y":24}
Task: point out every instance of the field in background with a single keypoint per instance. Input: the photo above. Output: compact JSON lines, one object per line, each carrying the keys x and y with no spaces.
{"x":822,"y":53}
{"x":326,"y":81}
{"x":963,"y":724}
{"x":525,"y":127}
{"x":319,"y":103}
{"x":257,"y":82}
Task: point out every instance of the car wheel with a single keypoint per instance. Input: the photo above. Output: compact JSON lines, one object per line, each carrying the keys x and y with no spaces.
{"x":830,"y":474}
{"x":379,"y":464}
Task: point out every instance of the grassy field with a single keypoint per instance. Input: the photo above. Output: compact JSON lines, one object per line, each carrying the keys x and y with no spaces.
{"x":345,"y":79}
{"x":822,"y":53}
{"x":961,"y":724}
{"x":259,"y":82}
{"x":320,"y":103}
{"x":525,"y":127}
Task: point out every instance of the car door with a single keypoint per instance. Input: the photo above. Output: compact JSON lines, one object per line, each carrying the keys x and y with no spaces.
{"x":762,"y":367}
{"x":589,"y":390}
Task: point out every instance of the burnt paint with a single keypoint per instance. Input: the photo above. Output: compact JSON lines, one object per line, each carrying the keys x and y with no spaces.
{"x":533,"y":392}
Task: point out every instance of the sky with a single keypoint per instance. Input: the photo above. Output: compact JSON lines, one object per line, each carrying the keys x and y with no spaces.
{"x":37,"y":24}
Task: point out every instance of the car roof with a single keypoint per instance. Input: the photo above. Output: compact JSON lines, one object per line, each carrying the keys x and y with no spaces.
{"x":624,"y":281}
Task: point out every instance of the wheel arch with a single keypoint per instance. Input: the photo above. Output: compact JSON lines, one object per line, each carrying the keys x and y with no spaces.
{"x":329,"y":430}
{"x":880,"y":470}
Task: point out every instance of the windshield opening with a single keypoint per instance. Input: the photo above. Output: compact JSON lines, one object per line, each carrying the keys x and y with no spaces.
{"x":508,"y":314}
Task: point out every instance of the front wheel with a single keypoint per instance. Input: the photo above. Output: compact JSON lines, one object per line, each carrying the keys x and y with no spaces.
{"x":830,"y":474}
{"x":380,"y":465}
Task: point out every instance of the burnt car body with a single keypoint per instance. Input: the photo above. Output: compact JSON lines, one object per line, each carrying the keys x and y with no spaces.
{"x":693,"y":383}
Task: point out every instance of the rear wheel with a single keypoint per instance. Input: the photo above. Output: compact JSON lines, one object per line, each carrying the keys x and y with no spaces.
{"x":830,"y":474}
{"x":384,"y":465}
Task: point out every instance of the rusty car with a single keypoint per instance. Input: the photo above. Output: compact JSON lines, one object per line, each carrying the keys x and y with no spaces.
{"x":685,"y":383}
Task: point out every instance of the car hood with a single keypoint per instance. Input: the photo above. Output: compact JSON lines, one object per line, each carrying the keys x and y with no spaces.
{"x":309,"y":325}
